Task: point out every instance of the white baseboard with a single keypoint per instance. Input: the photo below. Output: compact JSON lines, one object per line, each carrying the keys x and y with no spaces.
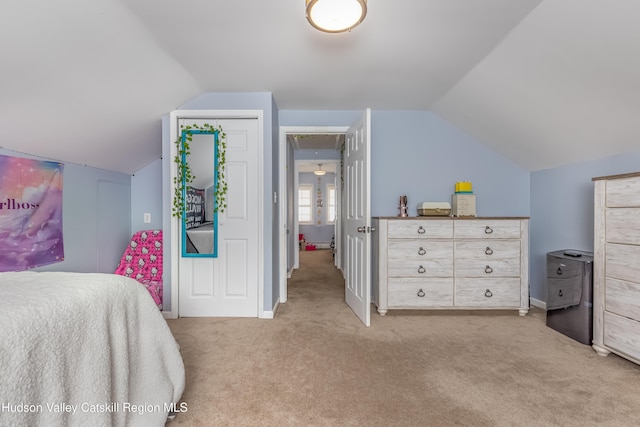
{"x":271,"y":314}
{"x":169,"y":315}
{"x":537,"y":303}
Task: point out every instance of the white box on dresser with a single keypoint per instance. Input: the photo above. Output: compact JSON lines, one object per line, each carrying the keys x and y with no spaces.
{"x":616,"y":266}
{"x":450,"y":263}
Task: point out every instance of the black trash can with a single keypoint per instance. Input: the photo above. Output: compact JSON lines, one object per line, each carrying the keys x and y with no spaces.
{"x":570,"y":294}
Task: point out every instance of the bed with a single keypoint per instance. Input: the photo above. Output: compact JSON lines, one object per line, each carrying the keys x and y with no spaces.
{"x":79,"y":349}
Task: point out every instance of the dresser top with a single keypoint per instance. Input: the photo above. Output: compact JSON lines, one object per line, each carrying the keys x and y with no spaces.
{"x":620,"y":176}
{"x":444,"y":218}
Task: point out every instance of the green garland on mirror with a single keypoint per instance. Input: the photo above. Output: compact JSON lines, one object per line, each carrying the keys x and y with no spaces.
{"x":184,"y":169}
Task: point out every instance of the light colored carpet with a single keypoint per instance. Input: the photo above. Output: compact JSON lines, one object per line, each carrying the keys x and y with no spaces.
{"x":315,"y":364}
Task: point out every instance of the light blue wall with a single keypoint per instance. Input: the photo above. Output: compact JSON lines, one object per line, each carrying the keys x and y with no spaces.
{"x":417,"y":154}
{"x":146,"y":188}
{"x":82,"y":194}
{"x":562,"y":210}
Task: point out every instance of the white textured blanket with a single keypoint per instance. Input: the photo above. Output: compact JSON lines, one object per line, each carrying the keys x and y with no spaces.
{"x":84,"y":349}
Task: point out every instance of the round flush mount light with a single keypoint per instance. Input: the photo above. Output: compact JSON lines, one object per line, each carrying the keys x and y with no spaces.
{"x":336,"y":16}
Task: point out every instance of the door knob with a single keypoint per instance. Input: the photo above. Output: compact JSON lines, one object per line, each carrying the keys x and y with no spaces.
{"x":366,"y":229}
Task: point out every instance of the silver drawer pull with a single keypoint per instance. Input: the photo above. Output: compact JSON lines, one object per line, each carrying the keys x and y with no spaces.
{"x":488,"y":293}
{"x":488,"y":251}
{"x":421,"y":293}
{"x":559,"y":271}
{"x":488,"y":230}
{"x":421,"y":270}
{"x":488,"y":269}
{"x":421,"y":230}
{"x":421,"y":251}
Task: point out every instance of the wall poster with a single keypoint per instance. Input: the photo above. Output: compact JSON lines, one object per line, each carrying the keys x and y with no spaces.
{"x":30,"y":213}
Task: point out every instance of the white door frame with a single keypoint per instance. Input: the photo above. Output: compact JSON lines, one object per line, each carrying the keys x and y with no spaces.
{"x":174,"y":117}
{"x":283,"y":167}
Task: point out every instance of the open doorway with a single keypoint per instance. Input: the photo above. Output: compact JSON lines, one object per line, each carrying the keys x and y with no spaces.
{"x":316,"y":205}
{"x":317,"y":280}
{"x":353,"y":239}
{"x":305,"y":150}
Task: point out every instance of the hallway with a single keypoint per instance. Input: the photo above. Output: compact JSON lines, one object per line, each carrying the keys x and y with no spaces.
{"x":317,"y":282}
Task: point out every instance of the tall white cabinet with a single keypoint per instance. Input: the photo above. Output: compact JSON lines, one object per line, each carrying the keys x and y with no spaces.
{"x":616,"y":266}
{"x":451,"y":263}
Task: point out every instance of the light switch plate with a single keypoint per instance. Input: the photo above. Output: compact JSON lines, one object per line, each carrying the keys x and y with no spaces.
{"x":147,"y":218}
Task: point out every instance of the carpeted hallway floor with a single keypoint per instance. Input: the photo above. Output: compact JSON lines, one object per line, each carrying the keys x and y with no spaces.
{"x":315,"y":364}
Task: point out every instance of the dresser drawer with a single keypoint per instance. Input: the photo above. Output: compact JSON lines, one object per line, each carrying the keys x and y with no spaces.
{"x":486,"y":229}
{"x":487,"y":258}
{"x":622,"y":298}
{"x":622,"y":262}
{"x":486,"y":251}
{"x":420,"y":229}
{"x":409,"y":293}
{"x":623,"y":193}
{"x":622,"y":335}
{"x":417,"y":249}
{"x":487,"y":292}
{"x":623,"y":225}
{"x":435,"y":267}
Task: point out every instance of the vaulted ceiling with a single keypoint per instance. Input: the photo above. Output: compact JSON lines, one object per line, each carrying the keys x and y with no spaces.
{"x":544,"y":82}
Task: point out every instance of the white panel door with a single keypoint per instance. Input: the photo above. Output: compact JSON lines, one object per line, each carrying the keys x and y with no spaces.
{"x":228,"y":285}
{"x":358,"y":218}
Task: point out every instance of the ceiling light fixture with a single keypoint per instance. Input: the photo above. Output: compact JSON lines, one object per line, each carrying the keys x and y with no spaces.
{"x":336,"y":16}
{"x":319,"y":172}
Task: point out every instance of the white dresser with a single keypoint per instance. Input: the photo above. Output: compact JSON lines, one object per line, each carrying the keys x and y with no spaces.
{"x":616,"y":266}
{"x":450,"y":263}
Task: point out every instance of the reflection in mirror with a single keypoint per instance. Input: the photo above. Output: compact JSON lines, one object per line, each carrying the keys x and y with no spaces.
{"x":200,"y":222}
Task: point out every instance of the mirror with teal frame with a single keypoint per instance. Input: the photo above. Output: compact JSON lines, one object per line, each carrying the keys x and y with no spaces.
{"x":199,"y":218}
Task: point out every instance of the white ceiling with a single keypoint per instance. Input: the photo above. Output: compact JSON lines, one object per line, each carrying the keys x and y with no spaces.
{"x":543,"y":82}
